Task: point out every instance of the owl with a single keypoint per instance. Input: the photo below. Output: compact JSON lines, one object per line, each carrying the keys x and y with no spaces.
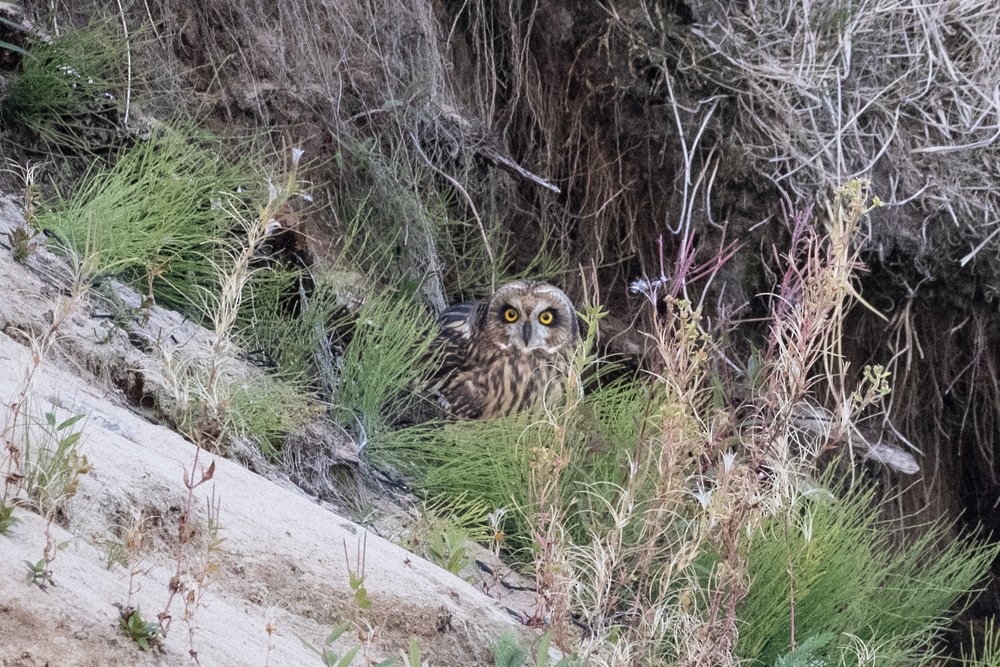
{"x":506,"y":354}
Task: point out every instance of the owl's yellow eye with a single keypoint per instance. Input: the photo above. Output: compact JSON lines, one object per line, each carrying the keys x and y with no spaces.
{"x":545,"y":317}
{"x":510,"y":315}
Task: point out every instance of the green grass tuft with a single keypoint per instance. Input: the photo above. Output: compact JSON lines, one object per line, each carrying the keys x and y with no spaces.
{"x":491,"y":460}
{"x":266,"y":408}
{"x":7,"y":518}
{"x":65,"y":91}
{"x":155,"y":217}
{"x":294,"y":338}
{"x":508,"y":652}
{"x":53,"y":462}
{"x":985,"y":652}
{"x":853,"y":584}
{"x":387,"y":358}
{"x":486,"y":461}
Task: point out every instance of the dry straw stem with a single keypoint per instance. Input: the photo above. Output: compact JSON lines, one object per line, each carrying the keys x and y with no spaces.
{"x":701,"y":477}
{"x":200,"y":390}
{"x":810,"y":307}
{"x":136,"y":545}
{"x":16,"y":418}
{"x":820,"y":93}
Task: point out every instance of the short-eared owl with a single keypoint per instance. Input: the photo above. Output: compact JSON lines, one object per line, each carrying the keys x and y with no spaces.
{"x":505,"y":354}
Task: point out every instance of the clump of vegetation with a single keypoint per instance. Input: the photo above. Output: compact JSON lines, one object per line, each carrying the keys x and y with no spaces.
{"x":156,"y":217}
{"x":329,"y":657}
{"x":388,"y":354}
{"x":508,"y":652}
{"x":265,"y":409}
{"x":442,"y":530}
{"x":7,"y":518}
{"x":39,"y":574}
{"x":23,"y":243}
{"x":66,"y":90}
{"x":809,"y":594}
{"x":51,"y":464}
{"x":288,"y":315}
{"x":52,"y":451}
{"x":146,"y":634}
{"x":327,"y":654}
{"x":492,"y":461}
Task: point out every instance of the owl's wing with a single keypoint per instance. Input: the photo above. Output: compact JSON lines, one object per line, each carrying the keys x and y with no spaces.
{"x":453,"y":343}
{"x":454,"y":334}
{"x":456,"y":322}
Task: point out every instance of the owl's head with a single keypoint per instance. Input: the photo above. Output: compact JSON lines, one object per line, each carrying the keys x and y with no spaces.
{"x":527,"y":315}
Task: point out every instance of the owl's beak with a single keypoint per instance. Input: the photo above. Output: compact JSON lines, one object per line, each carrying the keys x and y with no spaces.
{"x":526,"y":334}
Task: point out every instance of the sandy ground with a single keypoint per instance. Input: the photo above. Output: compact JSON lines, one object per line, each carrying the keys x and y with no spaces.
{"x":284,"y":560}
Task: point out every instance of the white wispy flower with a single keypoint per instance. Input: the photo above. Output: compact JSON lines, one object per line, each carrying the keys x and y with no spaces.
{"x":704,"y":497}
{"x":647,"y":286}
{"x":272,"y":227}
{"x":496,"y":517}
{"x":807,"y":527}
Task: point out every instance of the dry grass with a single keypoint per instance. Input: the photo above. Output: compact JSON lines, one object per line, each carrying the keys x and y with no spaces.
{"x":372,"y":80}
{"x":819,"y":93}
{"x":809,"y":94}
{"x":715,"y":474}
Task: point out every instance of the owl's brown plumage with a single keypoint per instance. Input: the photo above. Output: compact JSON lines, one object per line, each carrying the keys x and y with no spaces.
{"x":508,"y":353}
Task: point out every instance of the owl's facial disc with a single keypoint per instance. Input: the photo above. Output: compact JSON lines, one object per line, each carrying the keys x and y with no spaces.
{"x":529,"y":329}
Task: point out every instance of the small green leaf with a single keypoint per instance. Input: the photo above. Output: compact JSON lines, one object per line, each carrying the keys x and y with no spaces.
{"x":542,"y":652}
{"x":361,"y":598}
{"x":69,"y":422}
{"x":349,"y":657}
{"x":414,"y":653}
{"x":337,"y":631}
